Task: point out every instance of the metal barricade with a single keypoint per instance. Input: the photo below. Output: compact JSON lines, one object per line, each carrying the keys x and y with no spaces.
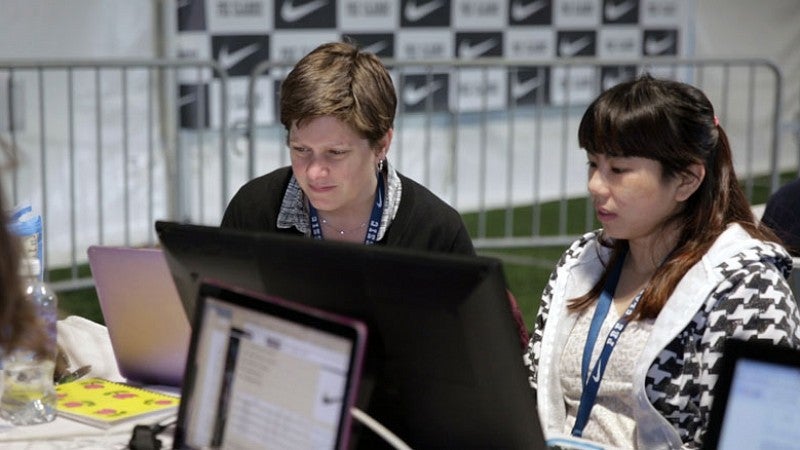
{"x":508,"y":158}
{"x":101,"y":153}
{"x":120,"y":149}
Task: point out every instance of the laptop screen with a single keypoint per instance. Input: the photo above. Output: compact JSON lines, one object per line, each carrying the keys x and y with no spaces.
{"x":756,"y":398}
{"x":266,"y":373}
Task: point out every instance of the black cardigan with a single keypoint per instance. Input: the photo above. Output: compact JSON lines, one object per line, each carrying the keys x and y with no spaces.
{"x":423,"y":220}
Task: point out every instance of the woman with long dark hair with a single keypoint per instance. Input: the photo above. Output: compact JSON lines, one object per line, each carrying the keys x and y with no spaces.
{"x":19,"y":322}
{"x":632,"y":323}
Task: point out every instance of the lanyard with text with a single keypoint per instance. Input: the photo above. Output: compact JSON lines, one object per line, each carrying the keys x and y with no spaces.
{"x":592,"y":380}
{"x":374,"y":218}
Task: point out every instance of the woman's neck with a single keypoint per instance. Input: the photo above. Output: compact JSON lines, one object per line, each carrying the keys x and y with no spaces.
{"x":647,"y":254}
{"x":348,"y":224}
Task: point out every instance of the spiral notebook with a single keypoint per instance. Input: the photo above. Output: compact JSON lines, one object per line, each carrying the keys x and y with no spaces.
{"x":263,"y":372}
{"x":103,"y":403}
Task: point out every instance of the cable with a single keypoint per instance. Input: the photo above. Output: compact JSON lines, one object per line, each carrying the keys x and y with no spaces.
{"x":379,"y":429}
{"x":144,"y":437}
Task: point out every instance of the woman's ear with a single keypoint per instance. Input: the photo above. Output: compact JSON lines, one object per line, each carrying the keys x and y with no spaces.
{"x":385,"y":143}
{"x":690,"y":181}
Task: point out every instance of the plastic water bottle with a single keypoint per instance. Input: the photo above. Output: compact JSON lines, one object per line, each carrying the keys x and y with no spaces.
{"x":24,"y":223}
{"x":29,"y":395}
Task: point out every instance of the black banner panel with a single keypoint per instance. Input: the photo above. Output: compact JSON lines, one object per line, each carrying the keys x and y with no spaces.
{"x":239,"y":34}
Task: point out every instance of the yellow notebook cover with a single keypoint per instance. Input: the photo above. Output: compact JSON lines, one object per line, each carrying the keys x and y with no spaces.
{"x":104,"y":403}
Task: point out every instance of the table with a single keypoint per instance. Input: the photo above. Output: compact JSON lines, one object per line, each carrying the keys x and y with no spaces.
{"x":64,"y":433}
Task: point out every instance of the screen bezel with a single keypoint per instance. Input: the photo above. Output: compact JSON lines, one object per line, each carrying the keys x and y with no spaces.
{"x":349,"y":329}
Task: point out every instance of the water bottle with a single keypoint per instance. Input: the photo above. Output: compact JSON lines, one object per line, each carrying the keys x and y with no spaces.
{"x":24,"y":223}
{"x":29,"y":395}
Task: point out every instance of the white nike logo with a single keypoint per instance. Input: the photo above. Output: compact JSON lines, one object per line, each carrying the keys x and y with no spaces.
{"x":567,"y":48}
{"x":375,"y":47}
{"x":415,"y":12}
{"x":292,"y":13}
{"x":467,"y":51}
{"x":520,"y":11}
{"x":596,"y":375}
{"x":521,"y":89}
{"x":379,"y":203}
{"x":415,"y":94}
{"x":228,"y":60}
{"x":616,"y":10}
{"x":655,"y":46}
{"x":187,"y":99}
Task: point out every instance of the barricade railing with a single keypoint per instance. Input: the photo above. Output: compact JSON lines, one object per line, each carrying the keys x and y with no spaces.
{"x":120,"y":148}
{"x":100,"y":150}
{"x":508,"y":158}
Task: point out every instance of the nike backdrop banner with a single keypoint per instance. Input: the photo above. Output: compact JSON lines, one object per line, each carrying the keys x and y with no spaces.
{"x":240,"y":34}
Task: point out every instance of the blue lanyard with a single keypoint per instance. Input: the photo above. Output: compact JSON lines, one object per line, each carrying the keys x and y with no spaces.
{"x":374,"y":219}
{"x":592,"y":380}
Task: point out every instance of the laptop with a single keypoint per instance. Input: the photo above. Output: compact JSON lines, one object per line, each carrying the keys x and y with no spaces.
{"x":264,"y":372}
{"x":147,"y":325}
{"x":755,"y":398}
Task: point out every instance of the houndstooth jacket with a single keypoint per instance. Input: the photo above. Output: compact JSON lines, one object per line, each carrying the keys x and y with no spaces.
{"x":737,"y":290}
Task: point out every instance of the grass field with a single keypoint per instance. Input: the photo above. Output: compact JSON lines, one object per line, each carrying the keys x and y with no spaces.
{"x":526,"y":269}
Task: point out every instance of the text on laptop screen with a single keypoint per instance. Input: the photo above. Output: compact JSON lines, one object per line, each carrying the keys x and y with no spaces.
{"x":762,"y":406}
{"x":265,"y":381}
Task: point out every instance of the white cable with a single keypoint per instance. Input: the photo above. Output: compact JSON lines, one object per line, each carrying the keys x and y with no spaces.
{"x":379,"y":429}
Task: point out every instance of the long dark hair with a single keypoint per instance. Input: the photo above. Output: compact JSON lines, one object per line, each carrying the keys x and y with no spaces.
{"x":673,"y":123}
{"x":20,"y":326}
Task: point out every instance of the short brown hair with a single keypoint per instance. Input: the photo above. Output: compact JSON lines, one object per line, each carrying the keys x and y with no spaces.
{"x":337,"y":79}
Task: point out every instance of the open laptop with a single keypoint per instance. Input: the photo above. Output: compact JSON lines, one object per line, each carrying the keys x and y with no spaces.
{"x":267,"y":373}
{"x":755,"y":398}
{"x":147,"y":325}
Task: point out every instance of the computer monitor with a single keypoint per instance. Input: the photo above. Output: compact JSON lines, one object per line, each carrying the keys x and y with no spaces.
{"x":443,"y":366}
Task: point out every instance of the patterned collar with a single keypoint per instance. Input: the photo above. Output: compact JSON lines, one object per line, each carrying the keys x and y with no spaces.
{"x":294,"y":210}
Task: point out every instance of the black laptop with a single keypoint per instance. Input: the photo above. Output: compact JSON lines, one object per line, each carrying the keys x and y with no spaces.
{"x":263,"y":372}
{"x":756,"y":398}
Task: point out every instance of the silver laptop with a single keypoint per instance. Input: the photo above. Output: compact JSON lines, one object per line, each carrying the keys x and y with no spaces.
{"x":142,"y":310}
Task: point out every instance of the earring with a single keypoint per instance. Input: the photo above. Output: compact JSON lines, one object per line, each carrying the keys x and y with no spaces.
{"x":380,"y":166}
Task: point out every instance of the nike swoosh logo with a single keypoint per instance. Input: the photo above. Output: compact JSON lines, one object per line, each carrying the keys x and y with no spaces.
{"x":415,"y":94}
{"x":596,"y":375}
{"x":655,"y":46}
{"x":292,"y":13}
{"x":567,"y":48}
{"x":468,"y":51}
{"x":521,"y":89}
{"x":228,"y":60}
{"x":614,"y":11}
{"x":375,"y":47}
{"x":187,"y":99}
{"x":520,"y":11}
{"x":415,"y":11}
{"x":379,"y":203}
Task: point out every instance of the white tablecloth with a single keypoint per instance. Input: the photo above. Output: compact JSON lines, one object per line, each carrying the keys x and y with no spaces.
{"x":85,"y":342}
